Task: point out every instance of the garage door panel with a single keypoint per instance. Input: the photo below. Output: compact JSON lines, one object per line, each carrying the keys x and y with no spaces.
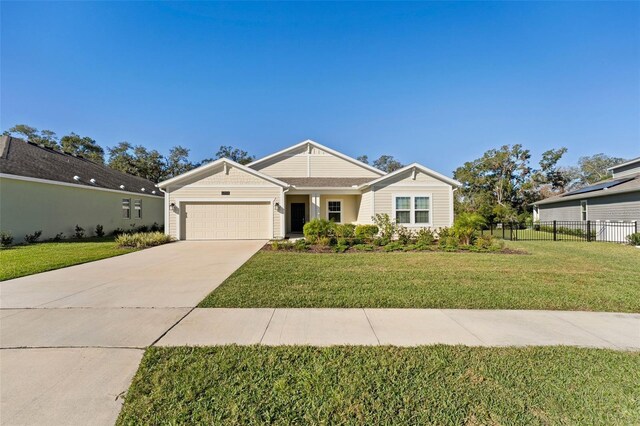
{"x":229,"y":220}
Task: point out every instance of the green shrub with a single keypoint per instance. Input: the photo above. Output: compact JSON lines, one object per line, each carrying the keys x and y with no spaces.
{"x":394,"y":246}
{"x":318,"y":228}
{"x":156,"y":227}
{"x":339,"y":248}
{"x":386,"y":226}
{"x":343,"y":242}
{"x":99,"y":231}
{"x":449,"y":243}
{"x":465,"y":227}
{"x":6,"y":239}
{"x":363,"y":247}
{"x":634,"y":239}
{"x":488,"y":243}
{"x":142,"y":239}
{"x":118,"y":231}
{"x":282,"y":245}
{"x":300,"y":245}
{"x":425,"y":236}
{"x":405,"y":235}
{"x":59,"y":236}
{"x":345,"y":230}
{"x":325,"y":241}
{"x":381,"y":241}
{"x":32,"y":238}
{"x":366,"y":232}
{"x":78,"y":232}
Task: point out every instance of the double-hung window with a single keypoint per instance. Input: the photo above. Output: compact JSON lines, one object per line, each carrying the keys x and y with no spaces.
{"x":583,"y":210}
{"x":334,"y":211}
{"x":126,"y":208}
{"x":412,"y":210}
{"x":137,"y":209}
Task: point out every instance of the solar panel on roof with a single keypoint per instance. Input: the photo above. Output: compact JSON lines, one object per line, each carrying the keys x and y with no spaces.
{"x":600,"y":186}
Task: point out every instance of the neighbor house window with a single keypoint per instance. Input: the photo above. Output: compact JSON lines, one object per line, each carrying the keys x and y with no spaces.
{"x":334,"y":211}
{"x":421,"y":209}
{"x":403,"y":209}
{"x":126,"y":208}
{"x":137,"y":209}
{"x":583,"y":210}
{"x":412,"y":209}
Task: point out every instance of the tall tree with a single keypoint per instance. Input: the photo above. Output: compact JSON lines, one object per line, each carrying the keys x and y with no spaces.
{"x":137,"y":161}
{"x":177,"y":162}
{"x":363,"y":159}
{"x":46,"y":138}
{"x":592,"y":169}
{"x":236,"y":154}
{"x":83,"y":146}
{"x":387,"y":163}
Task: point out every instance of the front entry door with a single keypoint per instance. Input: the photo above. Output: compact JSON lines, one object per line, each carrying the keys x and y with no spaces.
{"x":297,"y":217}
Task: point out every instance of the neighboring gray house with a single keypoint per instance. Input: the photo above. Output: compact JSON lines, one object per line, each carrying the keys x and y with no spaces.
{"x":48,"y":190}
{"x":615,"y":199}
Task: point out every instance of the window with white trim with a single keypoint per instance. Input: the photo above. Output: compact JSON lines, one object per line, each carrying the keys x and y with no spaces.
{"x":403,"y":210}
{"x":412,"y":209}
{"x":583,"y":209}
{"x":126,"y":208}
{"x":334,"y":211}
{"x":137,"y":209}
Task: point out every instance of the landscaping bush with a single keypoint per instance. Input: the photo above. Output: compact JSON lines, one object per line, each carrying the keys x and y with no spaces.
{"x":394,"y":246}
{"x":59,"y":236}
{"x":343,"y":242}
{"x":363,"y":247}
{"x":386,"y":226}
{"x":301,"y":245}
{"x":143,"y":239}
{"x":6,"y":239}
{"x":318,"y":228}
{"x":340,"y":248}
{"x":325,"y":241}
{"x":32,"y":238}
{"x":281,"y":245}
{"x":79,"y":232}
{"x":366,"y":232}
{"x":156,"y":227}
{"x":465,"y":227}
{"x":634,"y":239}
{"x":488,"y":243}
{"x":118,"y":231}
{"x":405,"y":235}
{"x":345,"y":230}
{"x":99,"y":231}
{"x":425,"y":237}
{"x":449,"y":243}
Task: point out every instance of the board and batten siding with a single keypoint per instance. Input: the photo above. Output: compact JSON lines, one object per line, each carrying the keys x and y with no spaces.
{"x":239,"y":184}
{"x":405,"y":184}
{"x":29,"y":206}
{"x":615,"y":207}
{"x":313,"y":162}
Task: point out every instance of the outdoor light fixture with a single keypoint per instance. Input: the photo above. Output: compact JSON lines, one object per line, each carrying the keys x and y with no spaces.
{"x":277,"y":205}
{"x":172,"y":205}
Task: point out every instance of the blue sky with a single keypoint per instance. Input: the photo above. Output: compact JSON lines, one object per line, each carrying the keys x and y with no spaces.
{"x":436,"y":83}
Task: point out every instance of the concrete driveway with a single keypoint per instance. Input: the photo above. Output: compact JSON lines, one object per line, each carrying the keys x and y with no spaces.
{"x":72,"y":338}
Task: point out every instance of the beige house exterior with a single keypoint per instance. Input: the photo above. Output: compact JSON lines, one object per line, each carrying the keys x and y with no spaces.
{"x":274,"y":196}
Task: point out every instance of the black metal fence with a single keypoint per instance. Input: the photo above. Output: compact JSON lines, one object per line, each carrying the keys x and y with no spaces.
{"x":556,"y":230}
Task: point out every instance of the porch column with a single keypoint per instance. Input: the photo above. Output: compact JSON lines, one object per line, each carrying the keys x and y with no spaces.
{"x":314,"y":210}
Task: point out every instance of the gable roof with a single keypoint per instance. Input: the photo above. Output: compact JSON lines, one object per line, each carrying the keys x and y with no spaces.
{"x":26,"y":159}
{"x":416,"y":166}
{"x":626,"y":163}
{"x":603,"y":188}
{"x":213,"y":165}
{"x":321,"y":147}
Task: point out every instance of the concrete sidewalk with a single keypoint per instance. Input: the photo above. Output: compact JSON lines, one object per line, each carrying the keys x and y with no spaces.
{"x":405,"y":327}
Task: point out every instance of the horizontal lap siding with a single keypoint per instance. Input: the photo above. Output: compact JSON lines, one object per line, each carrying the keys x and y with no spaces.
{"x":285,"y":166}
{"x":441,"y":202}
{"x":349,"y":206}
{"x":332,"y":166}
{"x":619,"y":207}
{"x":365,"y":211}
{"x":567,"y":211}
{"x":202,"y":189}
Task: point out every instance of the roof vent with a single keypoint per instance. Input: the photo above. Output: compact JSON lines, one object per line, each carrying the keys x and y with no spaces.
{"x":153,"y":192}
{"x":92,"y":180}
{"x":142,"y":189}
{"x":121,"y":186}
{"x":76,"y":177}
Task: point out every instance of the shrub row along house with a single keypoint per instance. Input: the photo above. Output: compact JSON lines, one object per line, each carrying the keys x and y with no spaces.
{"x":50,"y":191}
{"x":275,"y":196}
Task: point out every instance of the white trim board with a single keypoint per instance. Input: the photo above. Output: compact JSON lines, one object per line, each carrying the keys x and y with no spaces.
{"x":76,"y":185}
{"x":413,"y":167}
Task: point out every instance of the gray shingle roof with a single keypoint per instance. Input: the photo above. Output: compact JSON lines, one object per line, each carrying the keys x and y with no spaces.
{"x":21,"y":158}
{"x":629,"y":186}
{"x":320,"y":182}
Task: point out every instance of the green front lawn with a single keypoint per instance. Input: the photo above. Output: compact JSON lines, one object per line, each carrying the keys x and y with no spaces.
{"x":384,"y":385}
{"x":554,"y":275}
{"x":30,"y":259}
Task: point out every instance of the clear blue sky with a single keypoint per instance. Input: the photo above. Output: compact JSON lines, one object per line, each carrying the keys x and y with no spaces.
{"x":437,"y":83}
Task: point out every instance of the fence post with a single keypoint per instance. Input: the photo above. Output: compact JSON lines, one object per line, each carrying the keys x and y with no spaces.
{"x":511,"y":231}
{"x":588,"y":231}
{"x":502,"y":230}
{"x":555,"y":233}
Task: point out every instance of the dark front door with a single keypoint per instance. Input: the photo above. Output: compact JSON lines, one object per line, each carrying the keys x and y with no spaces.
{"x":297,"y":217}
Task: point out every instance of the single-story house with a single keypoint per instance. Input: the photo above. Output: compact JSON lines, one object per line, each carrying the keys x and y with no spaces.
{"x":615,"y":199}
{"x":274,"y":196}
{"x":46,"y":190}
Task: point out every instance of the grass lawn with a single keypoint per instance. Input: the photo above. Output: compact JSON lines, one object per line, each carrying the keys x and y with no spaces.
{"x":554,"y":275}
{"x":30,"y":259}
{"x":384,"y":385}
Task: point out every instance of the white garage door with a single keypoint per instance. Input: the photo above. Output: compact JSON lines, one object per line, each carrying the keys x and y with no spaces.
{"x":226,"y":221}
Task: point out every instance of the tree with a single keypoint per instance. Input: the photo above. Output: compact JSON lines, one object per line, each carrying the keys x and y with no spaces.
{"x":234,"y":154}
{"x":83,"y":146}
{"x":46,"y":138}
{"x":363,"y":159}
{"x":137,"y":161}
{"x":594,"y":169}
{"x":387,"y":163}
{"x":177,"y":162}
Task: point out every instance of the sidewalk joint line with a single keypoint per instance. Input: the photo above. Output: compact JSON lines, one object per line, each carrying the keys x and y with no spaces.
{"x":267,"y":327}
{"x":463,"y":327}
{"x":171,"y":328}
{"x":370,"y":325}
{"x":553,"y":314}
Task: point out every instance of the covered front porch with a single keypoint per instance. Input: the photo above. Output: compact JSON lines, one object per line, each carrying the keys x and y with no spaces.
{"x":303,"y":206}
